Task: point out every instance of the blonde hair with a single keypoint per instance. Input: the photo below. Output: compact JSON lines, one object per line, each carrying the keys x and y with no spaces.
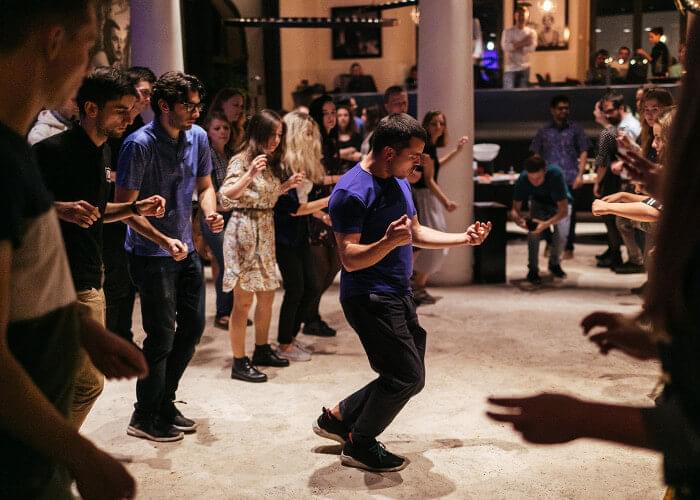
{"x":303,"y":150}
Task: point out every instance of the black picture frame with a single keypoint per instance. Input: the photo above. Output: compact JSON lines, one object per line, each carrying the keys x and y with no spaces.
{"x":353,"y":41}
{"x":559,"y":33}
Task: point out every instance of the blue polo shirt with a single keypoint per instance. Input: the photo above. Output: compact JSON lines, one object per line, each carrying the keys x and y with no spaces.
{"x":151,"y":162}
{"x":365,"y":204}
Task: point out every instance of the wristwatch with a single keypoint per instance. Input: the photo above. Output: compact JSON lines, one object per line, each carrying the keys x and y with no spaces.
{"x":134,"y":208}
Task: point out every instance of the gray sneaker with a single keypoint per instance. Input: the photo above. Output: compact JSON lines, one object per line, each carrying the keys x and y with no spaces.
{"x":303,"y":347}
{"x":294,"y":354}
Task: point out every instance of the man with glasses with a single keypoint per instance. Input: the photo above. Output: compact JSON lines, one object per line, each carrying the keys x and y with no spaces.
{"x":169,"y":156}
{"x":564,"y":143}
{"x":120,"y":292}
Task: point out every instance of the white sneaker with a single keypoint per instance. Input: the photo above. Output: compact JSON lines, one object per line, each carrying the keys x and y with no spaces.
{"x":294,"y":354}
{"x":303,"y":347}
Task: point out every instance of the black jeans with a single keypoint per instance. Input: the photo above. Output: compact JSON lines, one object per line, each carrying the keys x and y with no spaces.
{"x":172,"y":307}
{"x":395,"y":345}
{"x":326,"y":267}
{"x":571,"y":238}
{"x":119,"y":289}
{"x":613,"y":235}
{"x":299,"y":280}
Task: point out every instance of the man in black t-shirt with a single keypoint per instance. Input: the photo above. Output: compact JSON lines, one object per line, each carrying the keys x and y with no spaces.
{"x":44,"y":50}
{"x":73,"y":168}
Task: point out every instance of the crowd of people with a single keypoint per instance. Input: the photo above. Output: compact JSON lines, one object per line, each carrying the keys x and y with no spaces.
{"x":308,"y":193}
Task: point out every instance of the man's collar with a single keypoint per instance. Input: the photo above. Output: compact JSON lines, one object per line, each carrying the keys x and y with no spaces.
{"x":162,"y":134}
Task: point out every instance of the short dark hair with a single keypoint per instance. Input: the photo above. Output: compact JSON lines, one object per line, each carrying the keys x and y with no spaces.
{"x":624,"y":47}
{"x":172,"y":87}
{"x":558,"y":99}
{"x":20,"y":18}
{"x":395,"y":131}
{"x":394,"y":89}
{"x":141,"y":73}
{"x":657,"y":30}
{"x":602,"y":52}
{"x":102,"y":85}
{"x":615,"y":97}
{"x":534,"y":163}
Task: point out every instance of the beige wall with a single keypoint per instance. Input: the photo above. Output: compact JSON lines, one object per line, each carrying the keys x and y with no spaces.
{"x":560,"y":64}
{"x":306,"y":53}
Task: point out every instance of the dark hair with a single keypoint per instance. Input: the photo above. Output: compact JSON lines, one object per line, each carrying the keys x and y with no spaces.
{"x":394,"y":89}
{"x":442,"y":140}
{"x":102,"y":85}
{"x":352,"y":126}
{"x":316,"y":112}
{"x":665,"y":99}
{"x":107,"y":38}
{"x":616,"y":98}
{"x":260,"y":128}
{"x":558,"y":99}
{"x":657,"y":30}
{"x":395,"y":131}
{"x":602,"y":52}
{"x":534,"y":163}
{"x":20,"y":18}
{"x":624,"y":47}
{"x":141,"y":73}
{"x":374,"y":114}
{"x":355,"y":65}
{"x":172,"y":87}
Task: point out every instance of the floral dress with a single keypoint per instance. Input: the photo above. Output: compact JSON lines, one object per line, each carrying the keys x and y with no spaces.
{"x":249,"y":241}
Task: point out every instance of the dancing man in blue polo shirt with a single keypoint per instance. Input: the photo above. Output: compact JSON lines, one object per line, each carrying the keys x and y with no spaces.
{"x":375,"y":225}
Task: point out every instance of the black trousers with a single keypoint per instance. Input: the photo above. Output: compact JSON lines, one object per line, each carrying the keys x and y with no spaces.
{"x":613,"y":235}
{"x":395,"y":345}
{"x":300,"y":290}
{"x":326,"y":267}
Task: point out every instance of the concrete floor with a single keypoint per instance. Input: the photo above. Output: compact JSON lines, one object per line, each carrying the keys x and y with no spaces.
{"x":255,"y":441}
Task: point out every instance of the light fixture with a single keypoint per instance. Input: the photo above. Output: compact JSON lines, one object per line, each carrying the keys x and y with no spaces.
{"x":647,"y":29}
{"x":620,"y":61}
{"x":598,"y":30}
{"x":663,"y":39}
{"x":627,"y":30}
{"x":691,"y":5}
{"x":309,"y":22}
{"x":546,"y":6}
{"x":490,"y":46}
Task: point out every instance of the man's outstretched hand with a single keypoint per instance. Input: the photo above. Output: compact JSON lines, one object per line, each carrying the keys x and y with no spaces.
{"x":477,"y":233}
{"x":115,"y":357}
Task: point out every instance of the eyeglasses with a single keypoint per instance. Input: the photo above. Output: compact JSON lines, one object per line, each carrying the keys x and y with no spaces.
{"x":190,"y":107}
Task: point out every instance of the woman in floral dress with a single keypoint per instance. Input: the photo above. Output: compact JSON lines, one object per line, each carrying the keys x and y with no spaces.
{"x":253,"y":183}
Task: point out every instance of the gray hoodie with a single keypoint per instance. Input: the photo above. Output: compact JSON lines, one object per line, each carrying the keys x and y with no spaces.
{"x":48,"y":123}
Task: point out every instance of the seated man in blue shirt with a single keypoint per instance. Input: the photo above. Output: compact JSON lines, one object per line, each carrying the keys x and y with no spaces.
{"x":375,"y":225}
{"x":549,"y":199}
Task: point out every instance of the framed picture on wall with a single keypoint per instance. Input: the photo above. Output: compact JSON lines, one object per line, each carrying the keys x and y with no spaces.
{"x":550,"y":18}
{"x":356,"y":42}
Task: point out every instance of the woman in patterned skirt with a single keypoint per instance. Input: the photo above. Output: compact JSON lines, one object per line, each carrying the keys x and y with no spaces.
{"x":253,"y":183}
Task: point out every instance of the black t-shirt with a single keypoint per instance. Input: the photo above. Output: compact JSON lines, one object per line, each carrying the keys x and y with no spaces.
{"x":74,"y":169}
{"x":355,"y":141}
{"x":660,"y":58}
{"x":290,"y":230}
{"x":431,"y":151}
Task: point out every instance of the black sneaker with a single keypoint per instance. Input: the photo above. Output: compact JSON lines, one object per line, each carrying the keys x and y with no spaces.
{"x":170,"y":414}
{"x":422,"y":297}
{"x":610,"y":261}
{"x":629,"y":268}
{"x":317,"y":329}
{"x":371,"y":456}
{"x":604,"y":255}
{"x":557,"y":271}
{"x":534,"y":278}
{"x":243,"y":370}
{"x":152,"y":428}
{"x":329,"y":427}
{"x":265,"y":356}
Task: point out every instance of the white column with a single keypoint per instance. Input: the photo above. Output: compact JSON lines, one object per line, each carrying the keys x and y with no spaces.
{"x":156,"y":35}
{"x":446,"y":83}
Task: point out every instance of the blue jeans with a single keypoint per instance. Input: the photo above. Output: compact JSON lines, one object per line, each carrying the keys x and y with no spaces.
{"x":561,"y":232}
{"x":215,"y":241}
{"x":172,"y":308}
{"x":516,"y":79}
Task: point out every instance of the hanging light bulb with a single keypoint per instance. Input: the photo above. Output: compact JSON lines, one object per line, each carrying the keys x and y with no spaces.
{"x":546,"y":5}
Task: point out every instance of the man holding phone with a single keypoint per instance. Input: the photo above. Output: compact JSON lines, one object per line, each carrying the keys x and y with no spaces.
{"x":549,"y":199}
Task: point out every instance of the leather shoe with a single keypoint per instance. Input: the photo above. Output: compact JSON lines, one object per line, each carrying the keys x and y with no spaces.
{"x":244,"y":370}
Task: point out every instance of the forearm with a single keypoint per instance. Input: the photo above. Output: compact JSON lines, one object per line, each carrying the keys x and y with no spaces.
{"x":142,"y":226}
{"x":617,"y":424}
{"x":634,"y":211}
{"x":437,"y":191}
{"x":356,"y":256}
{"x":348,"y":153}
{"x":582,"y":163}
{"x":236,"y":189}
{"x":425,"y":237}
{"x":30,"y":417}
{"x":448,"y":157}
{"x":311,"y":207}
{"x":207,"y":201}
{"x":558,"y":217}
{"x":117,"y":211}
